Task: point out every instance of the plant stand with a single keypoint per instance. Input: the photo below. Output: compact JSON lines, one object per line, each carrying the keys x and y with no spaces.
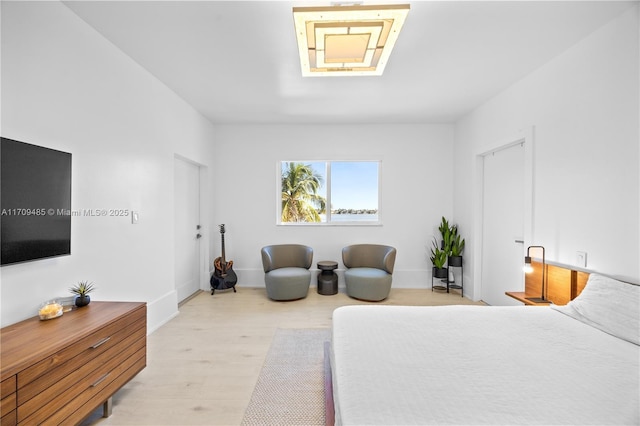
{"x":437,"y":273}
{"x":453,"y":262}
{"x":456,"y":262}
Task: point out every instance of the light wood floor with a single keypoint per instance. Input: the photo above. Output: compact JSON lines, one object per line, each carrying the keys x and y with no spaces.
{"x":202,"y":366}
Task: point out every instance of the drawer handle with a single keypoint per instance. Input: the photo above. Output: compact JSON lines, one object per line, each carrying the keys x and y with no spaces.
{"x":100,"y":380}
{"x":101,"y":342}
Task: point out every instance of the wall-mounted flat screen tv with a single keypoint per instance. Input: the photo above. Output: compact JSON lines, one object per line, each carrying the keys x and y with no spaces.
{"x":35,"y":202}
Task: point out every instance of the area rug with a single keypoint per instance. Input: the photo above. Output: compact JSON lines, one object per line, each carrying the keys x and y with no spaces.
{"x":290,"y":388}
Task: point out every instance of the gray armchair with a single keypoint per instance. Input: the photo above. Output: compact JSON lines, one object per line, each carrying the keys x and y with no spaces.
{"x":368,"y":271}
{"x":286,"y":270}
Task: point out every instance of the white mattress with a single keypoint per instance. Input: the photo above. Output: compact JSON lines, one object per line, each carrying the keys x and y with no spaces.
{"x":395,"y":365}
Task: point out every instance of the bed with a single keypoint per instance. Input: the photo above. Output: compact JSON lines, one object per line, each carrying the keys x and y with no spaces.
{"x":571,"y":364}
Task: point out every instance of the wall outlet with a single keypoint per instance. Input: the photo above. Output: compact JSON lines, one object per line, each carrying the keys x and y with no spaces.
{"x":581,"y":259}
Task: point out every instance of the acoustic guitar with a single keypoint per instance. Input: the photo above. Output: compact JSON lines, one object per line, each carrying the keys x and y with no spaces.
{"x":223,"y":277}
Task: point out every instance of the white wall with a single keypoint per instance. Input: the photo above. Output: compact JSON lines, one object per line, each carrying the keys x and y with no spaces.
{"x":65,"y":87}
{"x":416,"y":191}
{"x":583,"y":106}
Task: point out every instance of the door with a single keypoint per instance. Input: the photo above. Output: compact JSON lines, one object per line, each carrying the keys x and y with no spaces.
{"x":187,"y":228}
{"x":503,"y":224}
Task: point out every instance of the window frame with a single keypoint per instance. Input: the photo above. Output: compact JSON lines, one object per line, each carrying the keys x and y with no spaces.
{"x":328,"y":221}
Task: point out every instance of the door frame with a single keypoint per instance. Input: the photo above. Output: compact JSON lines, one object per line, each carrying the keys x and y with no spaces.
{"x":526,"y":137}
{"x":203,"y":261}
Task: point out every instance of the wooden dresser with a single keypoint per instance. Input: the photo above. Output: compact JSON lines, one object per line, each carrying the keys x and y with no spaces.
{"x":59,"y":371}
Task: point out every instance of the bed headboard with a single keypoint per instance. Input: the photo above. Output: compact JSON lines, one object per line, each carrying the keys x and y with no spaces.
{"x":563,"y":283}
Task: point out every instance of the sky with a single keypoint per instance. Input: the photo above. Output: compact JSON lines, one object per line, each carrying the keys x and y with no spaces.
{"x":354,"y":184}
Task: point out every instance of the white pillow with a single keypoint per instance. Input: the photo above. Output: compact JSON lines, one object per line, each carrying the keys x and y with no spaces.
{"x":609,"y":305}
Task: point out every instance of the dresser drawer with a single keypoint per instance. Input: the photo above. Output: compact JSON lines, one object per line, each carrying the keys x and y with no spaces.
{"x":8,"y":403}
{"x":93,"y":396}
{"x":7,"y":387}
{"x":89,"y":346}
{"x":81,"y":384}
{"x":8,"y":407}
{"x":9,"y":419}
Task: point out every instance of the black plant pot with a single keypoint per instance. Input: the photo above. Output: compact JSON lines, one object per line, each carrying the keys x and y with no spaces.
{"x":440,"y":272}
{"x":455,"y":261}
{"x":82,"y":301}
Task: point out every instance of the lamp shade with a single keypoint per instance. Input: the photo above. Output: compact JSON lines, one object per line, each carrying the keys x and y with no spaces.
{"x":527,"y":268}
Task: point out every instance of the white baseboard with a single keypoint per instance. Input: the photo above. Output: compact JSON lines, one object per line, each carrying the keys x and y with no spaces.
{"x":161,"y":311}
{"x":418,"y":278}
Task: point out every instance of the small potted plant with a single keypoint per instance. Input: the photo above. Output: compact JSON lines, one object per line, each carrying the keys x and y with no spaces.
{"x":82,"y":290}
{"x":438,"y":259}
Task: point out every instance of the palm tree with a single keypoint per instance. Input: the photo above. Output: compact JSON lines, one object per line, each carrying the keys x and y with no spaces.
{"x":300,"y":199}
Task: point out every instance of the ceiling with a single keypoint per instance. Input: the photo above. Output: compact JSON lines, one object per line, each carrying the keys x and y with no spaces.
{"x":236,"y":61}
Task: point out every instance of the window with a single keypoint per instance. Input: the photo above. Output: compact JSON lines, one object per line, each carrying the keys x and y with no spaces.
{"x":331,"y":192}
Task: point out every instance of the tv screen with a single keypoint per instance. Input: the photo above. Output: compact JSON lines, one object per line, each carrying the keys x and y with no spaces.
{"x":35,"y":202}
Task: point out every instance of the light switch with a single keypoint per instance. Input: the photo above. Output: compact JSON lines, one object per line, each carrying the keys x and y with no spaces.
{"x":581,"y":259}
{"x":134,"y":217}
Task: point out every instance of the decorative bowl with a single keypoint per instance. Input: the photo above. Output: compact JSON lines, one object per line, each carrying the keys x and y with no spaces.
{"x":50,"y":309}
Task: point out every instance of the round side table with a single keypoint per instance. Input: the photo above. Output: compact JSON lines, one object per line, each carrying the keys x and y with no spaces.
{"x":327,"y":279}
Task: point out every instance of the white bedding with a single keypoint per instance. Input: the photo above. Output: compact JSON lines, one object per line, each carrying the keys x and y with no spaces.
{"x":469,"y":365}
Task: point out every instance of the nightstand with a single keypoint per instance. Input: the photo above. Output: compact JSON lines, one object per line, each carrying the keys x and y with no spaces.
{"x":522,"y":297}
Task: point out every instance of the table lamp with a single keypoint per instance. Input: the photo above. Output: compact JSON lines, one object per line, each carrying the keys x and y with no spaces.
{"x":528,"y":269}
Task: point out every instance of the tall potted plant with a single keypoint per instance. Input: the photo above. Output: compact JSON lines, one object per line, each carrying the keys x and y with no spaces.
{"x":445,"y":230}
{"x":456,"y":247}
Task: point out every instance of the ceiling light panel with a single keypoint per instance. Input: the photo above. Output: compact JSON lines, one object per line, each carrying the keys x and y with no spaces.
{"x":347,"y":40}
